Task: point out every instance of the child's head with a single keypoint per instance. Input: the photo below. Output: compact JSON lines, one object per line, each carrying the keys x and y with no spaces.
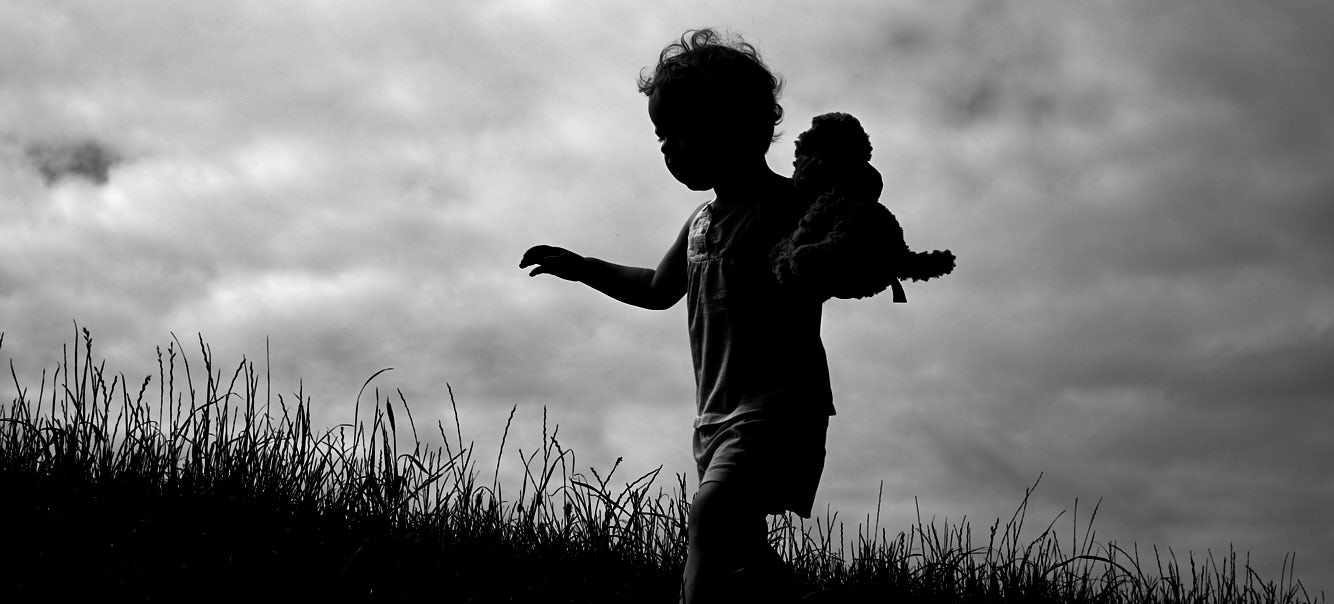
{"x":716,"y":94}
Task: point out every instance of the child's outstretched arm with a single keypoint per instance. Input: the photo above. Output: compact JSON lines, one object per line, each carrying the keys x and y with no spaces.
{"x":654,"y":289}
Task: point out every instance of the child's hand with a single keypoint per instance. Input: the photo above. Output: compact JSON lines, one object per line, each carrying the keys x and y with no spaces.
{"x":553,"y":260}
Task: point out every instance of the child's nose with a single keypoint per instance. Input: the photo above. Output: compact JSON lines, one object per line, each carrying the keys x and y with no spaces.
{"x":672,"y":144}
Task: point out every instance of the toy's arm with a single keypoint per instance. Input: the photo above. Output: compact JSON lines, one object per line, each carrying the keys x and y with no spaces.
{"x":849,"y":249}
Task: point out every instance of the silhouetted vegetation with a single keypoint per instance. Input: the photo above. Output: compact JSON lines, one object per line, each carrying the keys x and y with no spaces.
{"x":200,"y":484}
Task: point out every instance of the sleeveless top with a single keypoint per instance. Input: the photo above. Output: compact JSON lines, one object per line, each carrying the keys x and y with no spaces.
{"x":756,"y":347}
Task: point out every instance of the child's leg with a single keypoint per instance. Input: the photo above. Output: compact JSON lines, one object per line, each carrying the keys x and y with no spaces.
{"x":748,"y":468}
{"x":727,"y":531}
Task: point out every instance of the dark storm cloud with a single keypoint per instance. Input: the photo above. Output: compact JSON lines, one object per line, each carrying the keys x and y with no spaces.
{"x":1287,"y":378}
{"x":1138,"y":194}
{"x":88,"y":160}
{"x":1139,"y":202}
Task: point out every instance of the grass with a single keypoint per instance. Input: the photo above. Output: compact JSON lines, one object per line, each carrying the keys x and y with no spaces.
{"x":196,"y":484}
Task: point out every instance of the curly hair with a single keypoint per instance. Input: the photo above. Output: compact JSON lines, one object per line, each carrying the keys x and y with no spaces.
{"x":725,"y":76}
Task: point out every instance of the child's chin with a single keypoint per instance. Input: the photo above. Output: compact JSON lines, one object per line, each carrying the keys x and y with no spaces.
{"x":694,"y":184}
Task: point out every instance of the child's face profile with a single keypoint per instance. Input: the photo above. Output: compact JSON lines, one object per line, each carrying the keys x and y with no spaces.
{"x":696,"y":149}
{"x":680,"y":140}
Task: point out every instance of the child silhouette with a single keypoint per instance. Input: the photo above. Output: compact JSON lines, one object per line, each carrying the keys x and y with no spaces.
{"x":763,"y":394}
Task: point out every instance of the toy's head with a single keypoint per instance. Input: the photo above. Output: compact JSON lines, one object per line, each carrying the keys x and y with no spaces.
{"x":835,"y":154}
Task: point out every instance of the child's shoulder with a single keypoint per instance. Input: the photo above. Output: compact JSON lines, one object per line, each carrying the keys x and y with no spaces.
{"x":786,"y":201}
{"x":696,"y":212}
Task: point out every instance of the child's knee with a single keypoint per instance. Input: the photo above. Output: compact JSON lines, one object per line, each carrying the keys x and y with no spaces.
{"x":718,"y":500}
{"x":723,"y":511}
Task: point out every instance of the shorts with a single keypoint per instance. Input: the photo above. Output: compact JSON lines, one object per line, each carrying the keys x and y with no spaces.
{"x":778,"y":459}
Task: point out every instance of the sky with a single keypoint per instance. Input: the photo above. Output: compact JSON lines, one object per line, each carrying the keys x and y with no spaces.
{"x":1138,"y":194}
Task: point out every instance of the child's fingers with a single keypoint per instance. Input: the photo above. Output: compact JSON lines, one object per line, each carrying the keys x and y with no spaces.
{"x":538,"y":254}
{"x":542,"y":263}
{"x":550,"y":260}
{"x":531,"y":257}
{"x":528,"y":257}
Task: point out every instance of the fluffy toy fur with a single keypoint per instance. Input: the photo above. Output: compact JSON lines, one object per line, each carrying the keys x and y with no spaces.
{"x":847,"y":245}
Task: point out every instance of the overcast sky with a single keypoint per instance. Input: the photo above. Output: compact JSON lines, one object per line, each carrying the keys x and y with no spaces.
{"x":1139,"y":195}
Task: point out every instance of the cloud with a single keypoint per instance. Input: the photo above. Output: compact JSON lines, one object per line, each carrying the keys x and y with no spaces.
{"x":1284,"y":369}
{"x":1138,"y":224}
{"x":1137,"y":194}
{"x":89,"y":160}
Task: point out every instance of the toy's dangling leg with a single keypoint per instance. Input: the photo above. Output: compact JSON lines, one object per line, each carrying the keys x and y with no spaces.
{"x":899,"y":296}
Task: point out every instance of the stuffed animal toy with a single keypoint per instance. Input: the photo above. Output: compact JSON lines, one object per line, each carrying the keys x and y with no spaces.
{"x":847,"y":245}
